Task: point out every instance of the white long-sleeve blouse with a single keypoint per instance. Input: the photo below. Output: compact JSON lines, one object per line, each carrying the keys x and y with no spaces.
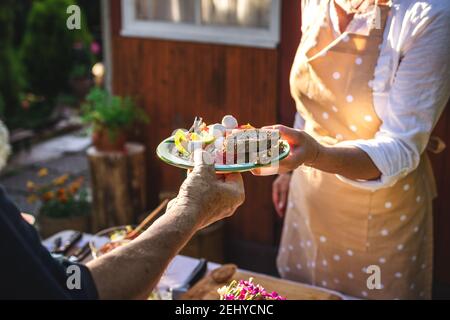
{"x":411,"y":83}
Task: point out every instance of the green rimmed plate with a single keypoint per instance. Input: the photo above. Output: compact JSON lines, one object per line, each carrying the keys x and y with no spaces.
{"x":164,"y":152}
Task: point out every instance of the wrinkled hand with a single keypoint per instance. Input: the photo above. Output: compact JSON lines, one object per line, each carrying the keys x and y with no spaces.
{"x":280,"y":191}
{"x":304,"y":150}
{"x":209,"y":196}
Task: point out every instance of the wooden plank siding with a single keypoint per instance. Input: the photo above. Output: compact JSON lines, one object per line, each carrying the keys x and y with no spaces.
{"x":441,"y":205}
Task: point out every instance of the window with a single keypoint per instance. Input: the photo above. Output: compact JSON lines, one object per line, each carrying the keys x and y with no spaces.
{"x":239,"y":22}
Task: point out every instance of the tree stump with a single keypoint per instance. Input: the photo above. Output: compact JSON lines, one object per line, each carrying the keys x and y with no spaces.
{"x":118,"y":186}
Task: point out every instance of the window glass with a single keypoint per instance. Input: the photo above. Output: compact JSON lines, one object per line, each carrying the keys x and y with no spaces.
{"x":235,"y":13}
{"x":241,"y":13}
{"x":234,"y":22}
{"x":166,"y":10}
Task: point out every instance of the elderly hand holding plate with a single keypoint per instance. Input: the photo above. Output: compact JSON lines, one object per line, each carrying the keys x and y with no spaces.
{"x":214,"y":197}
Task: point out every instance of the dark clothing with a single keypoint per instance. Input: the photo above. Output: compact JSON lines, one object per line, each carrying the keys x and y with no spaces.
{"x":27,"y":269}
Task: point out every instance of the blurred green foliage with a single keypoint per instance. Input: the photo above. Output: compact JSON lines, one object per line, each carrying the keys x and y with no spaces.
{"x":10,"y":73}
{"x":21,"y":9}
{"x":74,"y":206}
{"x":39,"y":55}
{"x":48,"y":47}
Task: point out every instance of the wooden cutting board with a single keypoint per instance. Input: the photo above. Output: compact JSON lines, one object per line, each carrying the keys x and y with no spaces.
{"x":206,"y":288}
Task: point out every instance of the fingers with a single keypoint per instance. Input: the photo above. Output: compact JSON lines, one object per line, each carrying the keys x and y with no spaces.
{"x":235,"y":182}
{"x":265,"y":171}
{"x":233,"y":178}
{"x":269,"y":127}
{"x":279,"y":196}
{"x":279,"y":127}
{"x":289,"y":134}
{"x":232,"y":190}
{"x":280,"y":193}
{"x":286,"y":165}
{"x":203,"y":163}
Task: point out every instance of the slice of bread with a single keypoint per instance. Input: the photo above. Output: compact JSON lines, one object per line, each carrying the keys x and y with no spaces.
{"x":251,"y":146}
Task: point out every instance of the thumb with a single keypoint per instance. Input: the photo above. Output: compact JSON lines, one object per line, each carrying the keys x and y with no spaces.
{"x":203,"y":162}
{"x":286,"y":133}
{"x":266,"y":171}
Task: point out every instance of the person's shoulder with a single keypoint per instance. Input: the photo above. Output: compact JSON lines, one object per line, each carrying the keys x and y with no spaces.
{"x":419,"y":15}
{"x":424,"y":8}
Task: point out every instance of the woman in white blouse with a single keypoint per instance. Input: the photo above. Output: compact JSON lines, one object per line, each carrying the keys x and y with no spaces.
{"x":370,"y":80}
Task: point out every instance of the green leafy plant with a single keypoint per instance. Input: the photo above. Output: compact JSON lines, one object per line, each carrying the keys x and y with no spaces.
{"x":112,"y":113}
{"x":74,"y":206}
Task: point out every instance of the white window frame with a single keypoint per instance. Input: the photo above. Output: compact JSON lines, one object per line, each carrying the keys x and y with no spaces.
{"x":243,"y":36}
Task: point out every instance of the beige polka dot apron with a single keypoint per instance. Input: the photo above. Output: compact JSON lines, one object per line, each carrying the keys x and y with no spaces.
{"x":334,"y":231}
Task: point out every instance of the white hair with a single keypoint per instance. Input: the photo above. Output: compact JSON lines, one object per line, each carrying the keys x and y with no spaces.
{"x":5,"y":148}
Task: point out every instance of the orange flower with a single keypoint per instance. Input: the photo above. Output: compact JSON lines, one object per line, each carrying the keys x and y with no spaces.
{"x":73,"y":188}
{"x":30,"y":185}
{"x":62,"y":195}
{"x":76,"y":185}
{"x":43,"y":172}
{"x":48,"y":196}
{"x":60,"y":180}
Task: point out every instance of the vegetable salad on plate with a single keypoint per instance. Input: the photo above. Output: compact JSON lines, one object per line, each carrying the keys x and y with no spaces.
{"x":229,"y":142}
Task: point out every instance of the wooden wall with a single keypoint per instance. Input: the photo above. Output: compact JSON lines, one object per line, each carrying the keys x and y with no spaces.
{"x":441,"y":167}
{"x":179,"y":80}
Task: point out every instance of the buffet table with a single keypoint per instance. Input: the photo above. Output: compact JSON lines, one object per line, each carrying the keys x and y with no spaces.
{"x":181,"y":267}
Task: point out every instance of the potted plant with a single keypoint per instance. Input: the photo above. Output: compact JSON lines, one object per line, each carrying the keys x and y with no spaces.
{"x":110,"y":117}
{"x":65,"y":203}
